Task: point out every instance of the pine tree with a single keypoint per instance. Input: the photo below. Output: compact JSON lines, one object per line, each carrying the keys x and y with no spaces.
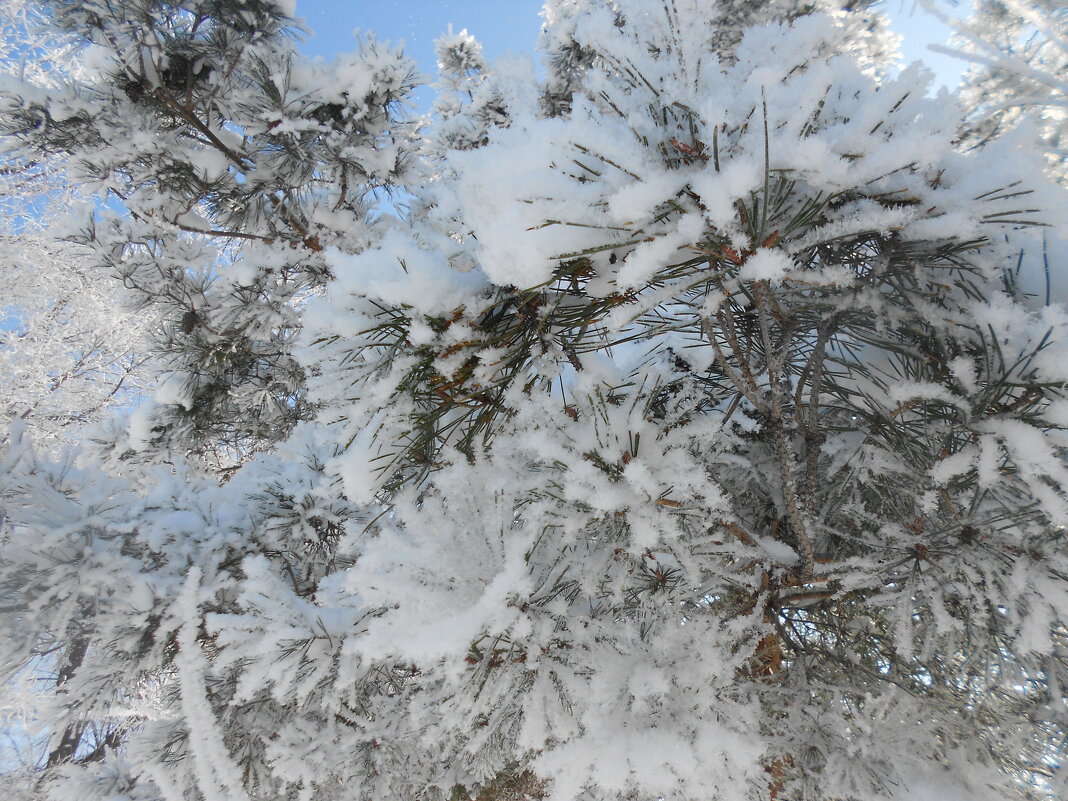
{"x":694,"y":439}
{"x":235,"y":163}
{"x":226,"y":164}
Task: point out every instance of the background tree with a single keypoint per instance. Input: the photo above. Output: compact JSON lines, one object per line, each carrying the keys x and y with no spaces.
{"x":68,"y":348}
{"x":1019,"y":55}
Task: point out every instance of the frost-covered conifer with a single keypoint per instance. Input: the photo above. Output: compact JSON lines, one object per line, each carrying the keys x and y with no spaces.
{"x":229,"y":164}
{"x":698,"y":442}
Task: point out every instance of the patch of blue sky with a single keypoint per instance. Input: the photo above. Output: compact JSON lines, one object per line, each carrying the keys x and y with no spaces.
{"x":11,"y":321}
{"x":919,"y":30}
{"x":504,"y":26}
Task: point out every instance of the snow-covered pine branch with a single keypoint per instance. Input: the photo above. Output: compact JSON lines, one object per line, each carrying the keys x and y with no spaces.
{"x":692,"y":437}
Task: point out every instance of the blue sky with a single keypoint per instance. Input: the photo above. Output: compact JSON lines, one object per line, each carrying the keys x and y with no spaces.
{"x":512,"y":25}
{"x":501,"y":25}
{"x":919,"y":30}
